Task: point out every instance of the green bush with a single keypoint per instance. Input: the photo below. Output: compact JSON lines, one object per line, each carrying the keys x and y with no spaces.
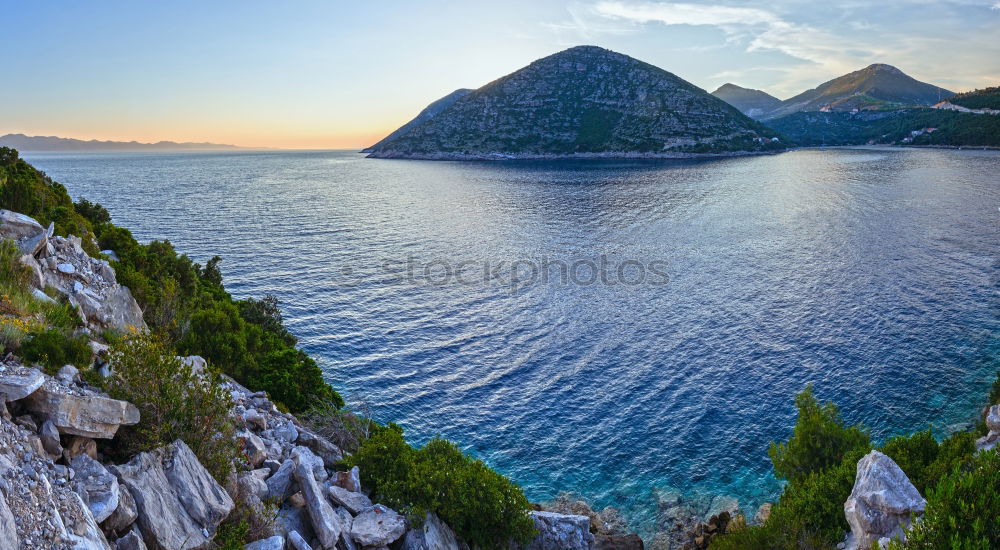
{"x":925,"y":461}
{"x":174,"y":403}
{"x":53,"y":348}
{"x":819,"y":439}
{"x":484,"y":508}
{"x":962,"y":510}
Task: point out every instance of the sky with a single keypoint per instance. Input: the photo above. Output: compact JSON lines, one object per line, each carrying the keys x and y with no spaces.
{"x":335,"y":74}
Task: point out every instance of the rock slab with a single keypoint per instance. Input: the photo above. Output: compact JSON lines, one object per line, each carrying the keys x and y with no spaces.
{"x":883,"y":502}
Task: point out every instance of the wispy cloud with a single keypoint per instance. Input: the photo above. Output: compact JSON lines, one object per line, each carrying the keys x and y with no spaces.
{"x":759,"y":29}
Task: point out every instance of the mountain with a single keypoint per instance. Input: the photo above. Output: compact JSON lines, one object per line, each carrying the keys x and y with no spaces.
{"x":874,"y":87}
{"x":428,"y":113}
{"x":753,"y":103}
{"x":987,"y":98}
{"x":584,"y":101}
{"x":22,"y":142}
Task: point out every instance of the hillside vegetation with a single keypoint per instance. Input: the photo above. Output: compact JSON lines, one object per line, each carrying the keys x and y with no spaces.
{"x":184,"y":301}
{"x":890,"y":127}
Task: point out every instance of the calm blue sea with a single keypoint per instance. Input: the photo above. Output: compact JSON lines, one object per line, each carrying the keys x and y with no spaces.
{"x":604,"y":327}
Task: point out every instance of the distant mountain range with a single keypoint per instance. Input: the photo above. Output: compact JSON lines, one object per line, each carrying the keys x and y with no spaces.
{"x":877,"y":86}
{"x":753,"y":103}
{"x":584,"y":101}
{"x":22,"y":142}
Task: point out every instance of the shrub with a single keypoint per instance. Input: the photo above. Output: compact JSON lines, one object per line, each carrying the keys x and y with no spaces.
{"x":962,"y":510}
{"x":484,"y":508}
{"x":53,"y":348}
{"x":174,"y":403}
{"x":344,"y":428}
{"x":819,"y":440}
{"x":924,"y":461}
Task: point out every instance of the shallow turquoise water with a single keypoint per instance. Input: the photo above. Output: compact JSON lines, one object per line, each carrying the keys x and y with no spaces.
{"x":871,"y":273}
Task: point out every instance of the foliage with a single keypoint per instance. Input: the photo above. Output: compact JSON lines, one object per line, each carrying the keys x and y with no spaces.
{"x":232,"y":535}
{"x":962,"y":510}
{"x":925,"y":461}
{"x":484,"y":508}
{"x":344,"y":428}
{"x":54,"y":348}
{"x":987,"y":98}
{"x":819,"y":439}
{"x":174,"y":403}
{"x":891,"y":126}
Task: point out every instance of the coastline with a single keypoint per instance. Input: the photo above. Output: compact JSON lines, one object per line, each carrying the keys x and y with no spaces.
{"x":609,"y":155}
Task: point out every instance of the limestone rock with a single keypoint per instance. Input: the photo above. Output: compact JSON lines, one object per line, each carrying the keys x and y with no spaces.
{"x":124,"y":515}
{"x":297,"y":542}
{"x":883,"y":502}
{"x":350,"y":480}
{"x":272,"y":543}
{"x":97,"y":487}
{"x":131,"y":541}
{"x":281,"y":484}
{"x":78,"y":445}
{"x":253,"y":448}
{"x":991,"y":439}
{"x":354,"y":502}
{"x":432,"y":535}
{"x":325,"y":521}
{"x":85,"y":535}
{"x":89,"y":415}
{"x":321,"y":447}
{"x":560,"y":532}
{"x":20,"y":382}
{"x":17,"y":226}
{"x":49,"y":435}
{"x":378,"y":526}
{"x":179,"y":503}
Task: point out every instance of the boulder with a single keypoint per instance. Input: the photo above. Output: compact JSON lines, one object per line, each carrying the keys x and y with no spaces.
{"x":432,"y":535}
{"x":179,"y":503}
{"x":272,"y":543}
{"x":89,"y":415}
{"x":17,"y":226}
{"x":378,"y":526}
{"x":354,"y":502}
{"x":325,"y":521}
{"x":37,"y":280}
{"x":321,"y":447}
{"x":253,"y":447}
{"x":34,"y":244}
{"x":97,"y":487}
{"x":20,"y":382}
{"x":131,"y":541}
{"x":124,"y":515}
{"x":68,"y":374}
{"x":991,"y":439}
{"x":350,"y":480}
{"x":49,"y":435}
{"x":297,"y":542}
{"x":281,"y":484}
{"x":763,"y":513}
{"x":883,"y":502}
{"x":560,"y":532}
{"x":255,"y":420}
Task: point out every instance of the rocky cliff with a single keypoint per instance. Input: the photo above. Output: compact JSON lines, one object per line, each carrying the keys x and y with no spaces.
{"x":584,"y":101}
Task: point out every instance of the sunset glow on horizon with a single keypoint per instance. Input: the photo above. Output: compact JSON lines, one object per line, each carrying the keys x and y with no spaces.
{"x":343,"y":75}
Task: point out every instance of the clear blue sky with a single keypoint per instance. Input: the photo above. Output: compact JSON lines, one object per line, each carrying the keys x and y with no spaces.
{"x":342,"y":74}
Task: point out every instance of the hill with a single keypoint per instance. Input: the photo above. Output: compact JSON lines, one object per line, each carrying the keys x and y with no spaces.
{"x":987,"y":98}
{"x":915,"y":126}
{"x":428,"y":113}
{"x":22,"y":142}
{"x":584,"y":101}
{"x":877,"y":86}
{"x":753,"y":103}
